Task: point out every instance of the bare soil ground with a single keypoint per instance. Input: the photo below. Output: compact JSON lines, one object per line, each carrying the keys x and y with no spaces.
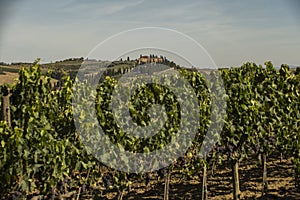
{"x":280,"y":184}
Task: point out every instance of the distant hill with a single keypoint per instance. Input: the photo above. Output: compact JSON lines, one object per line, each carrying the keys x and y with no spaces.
{"x":70,"y":66}
{"x":291,"y":66}
{"x":9,"y":71}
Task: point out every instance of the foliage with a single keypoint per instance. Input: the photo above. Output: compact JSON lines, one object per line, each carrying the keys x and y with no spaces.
{"x":43,"y":152}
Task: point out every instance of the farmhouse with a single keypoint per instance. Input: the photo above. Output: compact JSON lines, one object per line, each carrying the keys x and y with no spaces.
{"x":150,"y":59}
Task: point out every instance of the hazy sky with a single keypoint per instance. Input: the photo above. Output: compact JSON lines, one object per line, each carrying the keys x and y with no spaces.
{"x":232,"y":31}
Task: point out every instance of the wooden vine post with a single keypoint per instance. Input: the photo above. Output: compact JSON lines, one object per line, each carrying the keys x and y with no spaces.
{"x":235,"y":177}
{"x":5,"y":115}
{"x":265,"y":183}
{"x":167,"y":185}
{"x":204,"y":183}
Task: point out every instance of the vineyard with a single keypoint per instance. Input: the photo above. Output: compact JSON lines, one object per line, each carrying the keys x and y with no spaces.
{"x":44,"y":157}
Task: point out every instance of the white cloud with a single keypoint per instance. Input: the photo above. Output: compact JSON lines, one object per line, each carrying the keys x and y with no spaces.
{"x":99,"y":7}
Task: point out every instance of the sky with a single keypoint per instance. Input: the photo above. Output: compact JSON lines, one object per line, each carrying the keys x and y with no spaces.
{"x":232,"y":32}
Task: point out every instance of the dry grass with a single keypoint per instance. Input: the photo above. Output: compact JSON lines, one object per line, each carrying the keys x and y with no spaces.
{"x":8,"y":77}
